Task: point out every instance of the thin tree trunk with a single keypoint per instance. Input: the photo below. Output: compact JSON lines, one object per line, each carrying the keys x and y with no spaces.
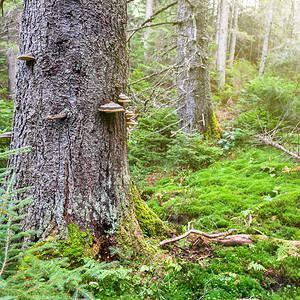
{"x":78,"y":165}
{"x":291,"y":20}
{"x":13,"y":21}
{"x":233,"y":34}
{"x":148,"y":14}
{"x":222,"y":43}
{"x":195,"y":109}
{"x":266,"y":40}
{"x":217,"y":18}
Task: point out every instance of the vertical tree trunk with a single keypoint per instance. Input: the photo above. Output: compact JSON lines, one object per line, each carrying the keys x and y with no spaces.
{"x":13,"y":21}
{"x":195,"y":109}
{"x":291,"y":20}
{"x":233,"y":33}
{"x":266,"y":40}
{"x":148,"y":14}
{"x":78,"y":164}
{"x":222,"y":43}
{"x":216,"y":17}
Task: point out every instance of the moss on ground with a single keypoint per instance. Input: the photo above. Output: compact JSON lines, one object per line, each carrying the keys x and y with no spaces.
{"x":228,"y":191}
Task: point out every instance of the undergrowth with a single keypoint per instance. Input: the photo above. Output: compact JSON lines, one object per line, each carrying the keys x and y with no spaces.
{"x":23,"y":274}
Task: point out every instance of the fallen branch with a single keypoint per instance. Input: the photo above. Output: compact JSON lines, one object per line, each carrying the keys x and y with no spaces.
{"x":225,"y":238}
{"x":211,"y":236}
{"x":268,"y":141}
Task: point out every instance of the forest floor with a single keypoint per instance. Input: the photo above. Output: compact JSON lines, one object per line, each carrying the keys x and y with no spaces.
{"x":253,"y":191}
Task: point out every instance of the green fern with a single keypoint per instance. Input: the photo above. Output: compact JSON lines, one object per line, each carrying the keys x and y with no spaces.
{"x":22,"y":274}
{"x":38,"y":279}
{"x":256,"y":266}
{"x":283,"y":251}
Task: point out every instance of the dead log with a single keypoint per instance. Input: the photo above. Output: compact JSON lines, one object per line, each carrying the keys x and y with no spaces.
{"x":268,"y":141}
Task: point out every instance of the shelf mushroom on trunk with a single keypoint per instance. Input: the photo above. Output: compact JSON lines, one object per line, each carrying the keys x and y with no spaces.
{"x":26,"y":57}
{"x":124,"y":99}
{"x":131,"y":122}
{"x":111,"y":107}
{"x":5,"y":135}
{"x":129,"y":114}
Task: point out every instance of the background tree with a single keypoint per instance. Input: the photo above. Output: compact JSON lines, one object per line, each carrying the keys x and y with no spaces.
{"x":13,"y":23}
{"x":148,"y":14}
{"x":195,"y":109}
{"x":233,"y":33}
{"x":78,"y":161}
{"x":266,"y":40}
{"x":222,"y":43}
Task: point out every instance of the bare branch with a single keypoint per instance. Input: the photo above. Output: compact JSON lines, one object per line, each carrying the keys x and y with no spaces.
{"x":152,"y":18}
{"x":163,"y":128}
{"x":153,"y":25}
{"x":151,"y":75}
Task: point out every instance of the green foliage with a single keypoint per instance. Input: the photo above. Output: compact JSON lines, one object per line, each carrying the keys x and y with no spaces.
{"x":152,"y":147}
{"x":39,"y":279}
{"x":228,"y":140}
{"x":269,"y":101}
{"x":284,"y":62}
{"x":148,"y":145}
{"x":6,"y":112}
{"x":191,"y":151}
{"x":10,"y":220}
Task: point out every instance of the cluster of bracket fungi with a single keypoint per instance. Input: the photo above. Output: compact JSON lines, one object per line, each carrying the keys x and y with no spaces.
{"x":112,"y":107}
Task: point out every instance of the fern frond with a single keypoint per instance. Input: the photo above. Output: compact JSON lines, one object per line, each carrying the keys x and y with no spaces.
{"x":256,"y":266}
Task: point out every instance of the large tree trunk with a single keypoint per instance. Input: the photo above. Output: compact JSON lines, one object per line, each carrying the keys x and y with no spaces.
{"x":78,"y":165}
{"x":233,"y":34}
{"x":266,"y":40}
{"x":13,"y":20}
{"x":195,"y":109}
{"x":222,"y":43}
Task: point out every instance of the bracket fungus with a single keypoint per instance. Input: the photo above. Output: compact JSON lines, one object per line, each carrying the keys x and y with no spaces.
{"x":124,"y":99}
{"x":111,"y":107}
{"x":131,"y":122}
{"x":129,"y":114}
{"x":26,"y":57}
{"x":5,"y":135}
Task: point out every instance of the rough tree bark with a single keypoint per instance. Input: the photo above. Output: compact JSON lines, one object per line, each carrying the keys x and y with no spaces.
{"x":13,"y":21}
{"x":266,"y":40}
{"x":222,"y":43}
{"x":233,"y":34}
{"x":195,"y":110}
{"x":78,"y":165}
